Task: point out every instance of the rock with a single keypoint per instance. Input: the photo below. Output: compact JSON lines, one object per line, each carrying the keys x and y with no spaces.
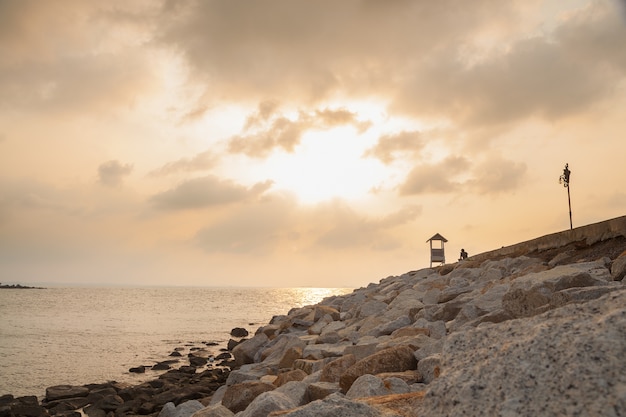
{"x":296,"y":391}
{"x":325,"y":350}
{"x":390,"y":326}
{"x":409,"y":377}
{"x":429,"y":368}
{"x":410,"y":331}
{"x":162,"y":366}
{"x":334,"y":406}
{"x":394,"y":359}
{"x":232,"y":343}
{"x":531,"y":294}
{"x":245,"y":373}
{"x":289,"y":356}
{"x":60,"y":392}
{"x":266,"y":403}
{"x":26,"y":406}
{"x":618,"y":268}
{"x":217,"y":410}
{"x":185,"y":409}
{"x":367,"y":386}
{"x":239,"y":332}
{"x":323,"y":310}
{"x":292,"y":375}
{"x":371,"y":308}
{"x":110,"y":403}
{"x":334,"y":369}
{"x":361,"y":350}
{"x":319,"y":390}
{"x":138,"y":370}
{"x":238,"y":397}
{"x":197,"y":361}
{"x":568,"y":361}
{"x":244,"y":352}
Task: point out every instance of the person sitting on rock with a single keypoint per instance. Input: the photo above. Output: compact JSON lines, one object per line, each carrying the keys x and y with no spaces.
{"x":463,"y":255}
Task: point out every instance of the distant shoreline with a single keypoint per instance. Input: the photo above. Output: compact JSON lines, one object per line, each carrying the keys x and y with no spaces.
{"x":19,"y":287}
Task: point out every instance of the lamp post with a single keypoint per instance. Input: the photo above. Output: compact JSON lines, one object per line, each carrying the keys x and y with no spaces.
{"x":564,"y":179}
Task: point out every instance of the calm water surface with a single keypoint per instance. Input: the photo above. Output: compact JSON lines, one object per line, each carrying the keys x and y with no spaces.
{"x":88,"y":335}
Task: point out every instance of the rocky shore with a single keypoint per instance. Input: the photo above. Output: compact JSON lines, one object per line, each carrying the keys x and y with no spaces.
{"x":526,"y":331}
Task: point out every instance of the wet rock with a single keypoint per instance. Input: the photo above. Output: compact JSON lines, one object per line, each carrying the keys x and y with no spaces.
{"x":60,"y":392}
{"x":239,"y":332}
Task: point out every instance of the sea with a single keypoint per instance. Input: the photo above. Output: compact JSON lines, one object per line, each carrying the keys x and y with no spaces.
{"x":77,"y":336}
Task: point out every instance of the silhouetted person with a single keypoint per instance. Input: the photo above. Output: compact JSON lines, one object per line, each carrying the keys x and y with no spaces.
{"x":463,"y":255}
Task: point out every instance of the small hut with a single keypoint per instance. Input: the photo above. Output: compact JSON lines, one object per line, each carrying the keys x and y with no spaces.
{"x":437,"y":254}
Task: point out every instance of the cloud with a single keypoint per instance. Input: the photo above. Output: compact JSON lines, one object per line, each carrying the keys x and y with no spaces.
{"x":55,"y":57}
{"x":389,"y":146}
{"x":547,"y":76}
{"x":456,"y":174}
{"x":269,"y":129}
{"x":345,"y":229}
{"x":497,"y":175}
{"x":306,"y":52}
{"x":256,"y":228}
{"x":205,"y":192}
{"x":200,"y":162}
{"x":112,"y":173}
{"x":435,"y":178}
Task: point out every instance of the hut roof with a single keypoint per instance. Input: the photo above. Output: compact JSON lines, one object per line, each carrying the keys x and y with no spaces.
{"x":437,"y":237}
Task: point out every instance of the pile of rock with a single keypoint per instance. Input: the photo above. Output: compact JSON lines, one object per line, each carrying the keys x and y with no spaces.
{"x":511,"y":336}
{"x":514,"y":336}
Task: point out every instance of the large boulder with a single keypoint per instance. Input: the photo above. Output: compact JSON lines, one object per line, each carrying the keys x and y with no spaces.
{"x":60,"y":392}
{"x":393,"y":359}
{"x":267,"y":402}
{"x":567,"y":361}
{"x":238,"y":397}
{"x":533,"y":293}
{"x":185,"y":409}
{"x":334,"y":406}
{"x":333,"y":370}
{"x":244,"y":352}
{"x":369,"y":385}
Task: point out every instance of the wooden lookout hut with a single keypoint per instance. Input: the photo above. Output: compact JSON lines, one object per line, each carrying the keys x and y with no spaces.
{"x":437,"y":254}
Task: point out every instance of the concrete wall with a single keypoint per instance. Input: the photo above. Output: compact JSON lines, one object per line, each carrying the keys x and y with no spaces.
{"x":591,"y":234}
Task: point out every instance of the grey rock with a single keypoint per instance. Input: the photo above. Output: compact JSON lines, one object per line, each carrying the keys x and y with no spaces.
{"x":217,"y":410}
{"x":334,"y":406}
{"x":319,"y":390}
{"x":568,"y":361}
{"x":185,"y":409}
{"x":618,"y":269}
{"x":429,"y":368}
{"x":267,"y":402}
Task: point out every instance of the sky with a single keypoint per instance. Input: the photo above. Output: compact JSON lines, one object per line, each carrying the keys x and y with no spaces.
{"x":289,"y":143}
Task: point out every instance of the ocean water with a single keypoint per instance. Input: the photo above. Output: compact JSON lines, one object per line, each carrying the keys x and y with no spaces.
{"x":78,"y":336}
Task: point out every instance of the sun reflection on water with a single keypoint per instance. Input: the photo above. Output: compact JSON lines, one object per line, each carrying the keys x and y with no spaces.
{"x":308,"y":296}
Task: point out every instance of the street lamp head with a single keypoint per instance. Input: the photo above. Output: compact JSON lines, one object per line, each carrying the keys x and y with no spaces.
{"x":564,"y":178}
